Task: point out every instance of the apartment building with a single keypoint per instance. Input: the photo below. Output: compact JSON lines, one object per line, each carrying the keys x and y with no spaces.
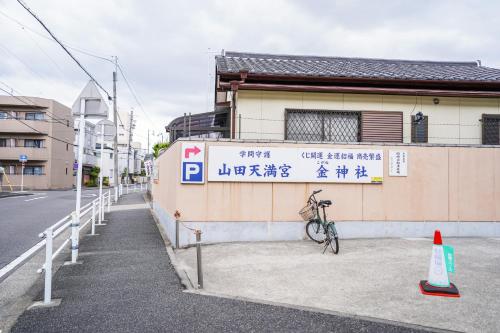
{"x":41,"y":129}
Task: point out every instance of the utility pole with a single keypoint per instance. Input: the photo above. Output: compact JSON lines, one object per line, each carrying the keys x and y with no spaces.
{"x":115,"y":120}
{"x":130,"y":127}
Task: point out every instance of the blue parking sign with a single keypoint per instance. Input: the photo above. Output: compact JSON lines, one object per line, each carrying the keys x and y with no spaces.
{"x":193,"y":163}
{"x":192,"y":172}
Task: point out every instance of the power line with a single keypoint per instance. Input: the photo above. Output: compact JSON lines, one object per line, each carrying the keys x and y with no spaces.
{"x":49,"y":114}
{"x":134,"y":94}
{"x":34,"y":129}
{"x":64,"y":48}
{"x":50,"y":39}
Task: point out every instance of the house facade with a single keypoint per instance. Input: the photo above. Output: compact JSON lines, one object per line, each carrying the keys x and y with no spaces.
{"x":322,"y":99}
{"x":400,"y":147}
{"x":41,"y":129}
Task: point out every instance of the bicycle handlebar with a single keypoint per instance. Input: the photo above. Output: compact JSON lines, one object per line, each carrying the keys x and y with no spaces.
{"x":312,"y":198}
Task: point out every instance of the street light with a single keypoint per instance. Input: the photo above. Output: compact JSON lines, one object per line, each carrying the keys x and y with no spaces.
{"x":89,"y":103}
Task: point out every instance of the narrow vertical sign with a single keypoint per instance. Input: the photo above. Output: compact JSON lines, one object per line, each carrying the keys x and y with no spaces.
{"x":398,"y":163}
{"x":193,"y":163}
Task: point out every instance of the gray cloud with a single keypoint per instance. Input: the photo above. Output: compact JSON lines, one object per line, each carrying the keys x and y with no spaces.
{"x":163,"y":45}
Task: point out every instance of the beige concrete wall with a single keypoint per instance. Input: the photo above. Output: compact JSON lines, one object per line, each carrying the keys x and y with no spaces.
{"x":447,"y":183}
{"x":454,"y":120}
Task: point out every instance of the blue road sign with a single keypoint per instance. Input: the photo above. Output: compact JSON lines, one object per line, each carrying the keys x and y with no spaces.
{"x":23,"y":158}
{"x":192,"y":172}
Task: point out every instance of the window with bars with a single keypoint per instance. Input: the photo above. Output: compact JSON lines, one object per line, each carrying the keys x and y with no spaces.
{"x":420,"y":130}
{"x":322,"y":125}
{"x":490,"y":129}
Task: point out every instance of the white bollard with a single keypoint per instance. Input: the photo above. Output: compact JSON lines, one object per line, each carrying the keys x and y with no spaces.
{"x":99,"y":210}
{"x":127,"y":188}
{"x":93,"y":218}
{"x":103,"y":206}
{"x":75,"y":226}
{"x":116,"y":194}
{"x":109,"y":200}
{"x":141,"y":187}
{"x":47,"y":294}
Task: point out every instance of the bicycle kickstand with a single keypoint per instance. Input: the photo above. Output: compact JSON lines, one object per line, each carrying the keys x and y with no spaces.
{"x":327,"y":243}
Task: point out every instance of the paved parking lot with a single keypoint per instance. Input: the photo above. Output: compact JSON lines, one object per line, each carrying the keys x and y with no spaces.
{"x":371,"y":277}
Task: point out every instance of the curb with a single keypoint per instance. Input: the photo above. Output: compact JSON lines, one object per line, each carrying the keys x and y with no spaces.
{"x":181,"y":274}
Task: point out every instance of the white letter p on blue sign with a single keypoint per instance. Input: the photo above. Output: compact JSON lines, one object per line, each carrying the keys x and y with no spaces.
{"x":192,"y":172}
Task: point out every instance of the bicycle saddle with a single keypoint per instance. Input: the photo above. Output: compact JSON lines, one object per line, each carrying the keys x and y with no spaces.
{"x":324,"y":203}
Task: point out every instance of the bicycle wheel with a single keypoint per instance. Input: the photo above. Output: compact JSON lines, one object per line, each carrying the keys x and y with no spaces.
{"x":334,"y":238}
{"x":315,"y":231}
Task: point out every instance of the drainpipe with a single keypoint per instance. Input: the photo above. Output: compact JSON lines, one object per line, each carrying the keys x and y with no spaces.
{"x":234,"y":89}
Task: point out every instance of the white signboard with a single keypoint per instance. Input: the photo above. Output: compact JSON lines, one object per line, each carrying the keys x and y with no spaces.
{"x":193,"y":163}
{"x":148,"y":166}
{"x":398,"y":163}
{"x":272,"y":164}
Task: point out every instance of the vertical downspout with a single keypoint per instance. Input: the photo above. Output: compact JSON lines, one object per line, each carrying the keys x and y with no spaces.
{"x":234,"y":90}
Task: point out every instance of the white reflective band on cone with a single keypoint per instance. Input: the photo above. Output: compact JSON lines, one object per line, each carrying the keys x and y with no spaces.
{"x":438,"y":275}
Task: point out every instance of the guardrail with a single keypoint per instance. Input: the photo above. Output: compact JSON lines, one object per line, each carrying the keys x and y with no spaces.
{"x":94,"y":214}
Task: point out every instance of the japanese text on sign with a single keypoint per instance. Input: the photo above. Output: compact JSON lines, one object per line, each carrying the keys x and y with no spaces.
{"x":398,"y":163}
{"x":272,"y":164}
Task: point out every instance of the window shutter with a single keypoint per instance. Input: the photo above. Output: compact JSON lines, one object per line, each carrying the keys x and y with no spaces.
{"x":381,"y":126}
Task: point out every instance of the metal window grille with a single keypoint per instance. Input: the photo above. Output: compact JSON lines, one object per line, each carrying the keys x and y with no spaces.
{"x":322,"y":125}
{"x":420,"y":131}
{"x":491,"y":129}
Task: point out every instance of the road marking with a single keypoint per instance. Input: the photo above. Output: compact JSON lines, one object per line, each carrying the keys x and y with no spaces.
{"x":35,"y":198}
{"x":92,"y":195}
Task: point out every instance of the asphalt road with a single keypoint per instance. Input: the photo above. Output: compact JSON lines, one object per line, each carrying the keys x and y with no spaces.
{"x":22,"y":218}
{"x":126,"y":283}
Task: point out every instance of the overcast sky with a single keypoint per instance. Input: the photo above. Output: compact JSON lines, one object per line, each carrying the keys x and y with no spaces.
{"x":167,"y":47}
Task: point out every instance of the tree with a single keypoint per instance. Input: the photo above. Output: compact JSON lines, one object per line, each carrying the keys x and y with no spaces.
{"x":158,"y":147}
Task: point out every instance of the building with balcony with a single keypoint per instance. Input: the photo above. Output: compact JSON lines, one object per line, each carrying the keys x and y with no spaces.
{"x":41,"y":129}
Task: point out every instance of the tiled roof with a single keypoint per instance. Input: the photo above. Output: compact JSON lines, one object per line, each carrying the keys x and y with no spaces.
{"x":332,"y":67}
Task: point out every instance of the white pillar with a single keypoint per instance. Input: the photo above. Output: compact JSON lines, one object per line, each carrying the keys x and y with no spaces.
{"x":101,"y":201}
{"x":76,"y":220}
{"x":47,"y":294}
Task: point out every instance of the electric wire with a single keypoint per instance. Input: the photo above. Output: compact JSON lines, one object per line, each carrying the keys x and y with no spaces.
{"x":34,"y":129}
{"x":64,"y":48}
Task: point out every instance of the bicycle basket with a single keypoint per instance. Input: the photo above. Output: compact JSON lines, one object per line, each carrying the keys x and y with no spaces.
{"x":308,"y":213}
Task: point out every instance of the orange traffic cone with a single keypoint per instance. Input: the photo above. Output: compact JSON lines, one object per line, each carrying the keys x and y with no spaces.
{"x":438,"y":283}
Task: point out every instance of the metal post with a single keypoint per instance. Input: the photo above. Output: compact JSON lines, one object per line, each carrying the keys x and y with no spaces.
{"x":103,"y":207}
{"x":93,"y":218}
{"x":176,"y":233}
{"x":239,"y":126}
{"x":141,"y":187}
{"x":127,"y":188}
{"x":99,"y":207}
{"x":117,"y":178}
{"x":101,"y":178}
{"x":47,"y":295}
{"x":198,"y":259}
{"x":109,"y":200}
{"x":22,"y":176}
{"x":116,"y":194}
{"x":75,"y":219}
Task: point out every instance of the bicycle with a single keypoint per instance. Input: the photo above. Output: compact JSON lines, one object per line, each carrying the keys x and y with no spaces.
{"x":319,"y":229}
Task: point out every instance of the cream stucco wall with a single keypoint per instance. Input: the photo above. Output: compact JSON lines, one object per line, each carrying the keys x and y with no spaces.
{"x":454,"y":120}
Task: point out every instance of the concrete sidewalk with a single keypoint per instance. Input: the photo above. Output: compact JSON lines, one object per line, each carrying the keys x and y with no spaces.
{"x":127,"y":284}
{"x":369,"y":277}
